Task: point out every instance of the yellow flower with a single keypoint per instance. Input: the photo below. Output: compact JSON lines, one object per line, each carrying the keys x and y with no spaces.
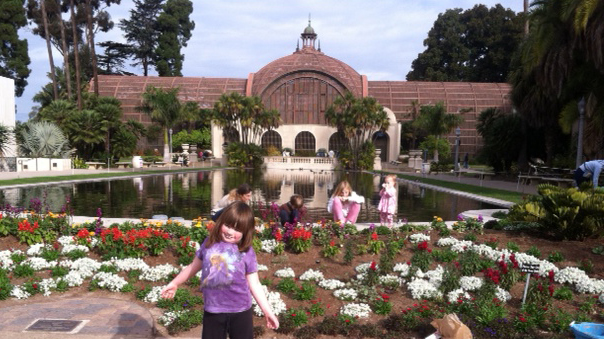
{"x":92,"y":233}
{"x":439,"y":219}
{"x":198,"y":224}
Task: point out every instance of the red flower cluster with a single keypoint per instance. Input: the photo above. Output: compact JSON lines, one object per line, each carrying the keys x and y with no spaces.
{"x":373,"y":266}
{"x":374,"y":236}
{"x":332,"y":243}
{"x":25,"y":226}
{"x":278,"y":235}
{"x":423,"y":246}
{"x":301,"y":233}
{"x":492,"y":274}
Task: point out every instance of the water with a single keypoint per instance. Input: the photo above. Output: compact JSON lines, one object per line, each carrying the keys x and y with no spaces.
{"x":192,"y":194}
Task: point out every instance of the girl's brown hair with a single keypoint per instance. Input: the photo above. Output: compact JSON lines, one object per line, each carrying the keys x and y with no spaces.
{"x":238,"y":216}
{"x":393,"y":177}
{"x":341,"y":186}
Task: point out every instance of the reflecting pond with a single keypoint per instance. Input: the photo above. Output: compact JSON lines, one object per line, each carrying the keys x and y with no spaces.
{"x":192,"y":194}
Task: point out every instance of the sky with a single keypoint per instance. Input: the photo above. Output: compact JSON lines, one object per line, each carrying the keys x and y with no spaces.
{"x":232,"y":38}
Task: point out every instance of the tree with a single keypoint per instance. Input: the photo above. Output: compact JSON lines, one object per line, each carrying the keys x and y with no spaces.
{"x":164,"y":108}
{"x":86,"y":131}
{"x":474,"y":45}
{"x":142,"y":33}
{"x":14,"y":58}
{"x":114,"y":58}
{"x":357,"y":119}
{"x":44,"y":139}
{"x":49,"y":48}
{"x":502,"y":138}
{"x":175,"y":27}
{"x":435,"y":120}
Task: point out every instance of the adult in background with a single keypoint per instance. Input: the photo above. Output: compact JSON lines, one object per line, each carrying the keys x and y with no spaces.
{"x":241,"y":193}
{"x":589,"y":169}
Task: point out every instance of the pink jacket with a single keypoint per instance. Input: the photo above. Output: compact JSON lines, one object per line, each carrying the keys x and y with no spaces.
{"x":388,"y":202}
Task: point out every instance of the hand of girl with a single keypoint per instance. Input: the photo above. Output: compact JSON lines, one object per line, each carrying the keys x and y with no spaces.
{"x":272,"y":321}
{"x":169,"y":291}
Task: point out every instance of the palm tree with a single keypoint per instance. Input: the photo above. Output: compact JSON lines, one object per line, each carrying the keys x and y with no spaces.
{"x":110,"y":110}
{"x":76,"y":52}
{"x":228,"y":111}
{"x":164,"y":108}
{"x":44,"y":139}
{"x":49,"y":48}
{"x":58,"y":112}
{"x":437,"y":122}
{"x":86,"y":130}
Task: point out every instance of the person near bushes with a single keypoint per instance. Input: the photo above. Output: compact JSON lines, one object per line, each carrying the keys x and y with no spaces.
{"x":229,"y":276}
{"x":344,"y":203}
{"x":388,"y":203}
{"x":290,"y":212}
{"x":589,"y":169}
{"x":241,"y":193}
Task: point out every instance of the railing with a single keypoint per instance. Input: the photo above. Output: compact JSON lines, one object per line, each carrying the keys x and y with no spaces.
{"x":320,"y":163}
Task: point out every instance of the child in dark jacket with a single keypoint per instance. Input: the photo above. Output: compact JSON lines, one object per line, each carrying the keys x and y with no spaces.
{"x":290,"y":212}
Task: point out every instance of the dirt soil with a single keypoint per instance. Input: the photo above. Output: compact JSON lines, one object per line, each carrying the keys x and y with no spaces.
{"x":574,"y":253}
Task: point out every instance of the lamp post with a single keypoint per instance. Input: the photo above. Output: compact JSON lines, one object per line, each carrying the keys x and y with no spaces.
{"x":457,"y":134}
{"x":170,"y":143}
{"x":581,"y":106}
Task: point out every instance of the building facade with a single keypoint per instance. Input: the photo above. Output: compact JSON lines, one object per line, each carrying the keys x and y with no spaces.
{"x":302,"y":85}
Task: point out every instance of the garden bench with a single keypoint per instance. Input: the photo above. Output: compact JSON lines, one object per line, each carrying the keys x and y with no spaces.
{"x":481,"y":174}
{"x":563,"y":182}
{"x":159,"y":164}
{"x":95,"y":165}
{"x":147,"y":164}
{"x":123,"y":164}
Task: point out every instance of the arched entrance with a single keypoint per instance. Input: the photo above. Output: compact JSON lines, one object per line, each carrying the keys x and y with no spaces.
{"x":305,"y":144}
{"x":381,"y":140}
{"x":271,"y":138}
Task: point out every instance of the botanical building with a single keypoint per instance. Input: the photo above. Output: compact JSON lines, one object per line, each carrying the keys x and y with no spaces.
{"x":303,"y":84}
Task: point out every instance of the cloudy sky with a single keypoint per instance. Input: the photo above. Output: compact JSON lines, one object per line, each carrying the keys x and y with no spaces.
{"x":232,"y":38}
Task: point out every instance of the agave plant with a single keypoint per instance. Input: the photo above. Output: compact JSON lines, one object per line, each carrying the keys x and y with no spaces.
{"x":44,"y":139}
{"x":6,"y":136}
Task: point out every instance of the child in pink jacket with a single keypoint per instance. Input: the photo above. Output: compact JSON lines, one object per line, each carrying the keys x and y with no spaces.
{"x":388,"y":203}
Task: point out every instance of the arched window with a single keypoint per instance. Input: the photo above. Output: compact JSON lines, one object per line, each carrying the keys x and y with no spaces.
{"x":271,"y":138}
{"x":305,"y":144}
{"x":338,"y":142}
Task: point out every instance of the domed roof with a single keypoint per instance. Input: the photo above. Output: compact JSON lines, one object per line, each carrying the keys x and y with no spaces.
{"x":306,"y":62}
{"x":309,"y":29}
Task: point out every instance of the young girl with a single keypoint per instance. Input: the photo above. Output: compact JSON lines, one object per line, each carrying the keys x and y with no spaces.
{"x":388,"y":205}
{"x":345,"y":203}
{"x":229,"y":273}
{"x":290,"y":212}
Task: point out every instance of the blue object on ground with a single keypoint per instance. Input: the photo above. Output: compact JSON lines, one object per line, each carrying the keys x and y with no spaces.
{"x":587,"y":330}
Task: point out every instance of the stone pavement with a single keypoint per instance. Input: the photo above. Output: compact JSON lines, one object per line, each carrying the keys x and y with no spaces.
{"x":108,"y":318}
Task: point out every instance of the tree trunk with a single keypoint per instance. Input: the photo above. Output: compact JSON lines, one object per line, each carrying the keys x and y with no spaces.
{"x":95,"y":73}
{"x":526,"y":20}
{"x":76,"y":51}
{"x":66,"y":68}
{"x":48,"y":46}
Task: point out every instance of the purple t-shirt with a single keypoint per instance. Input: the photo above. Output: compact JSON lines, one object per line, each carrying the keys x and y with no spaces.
{"x":223,"y":277}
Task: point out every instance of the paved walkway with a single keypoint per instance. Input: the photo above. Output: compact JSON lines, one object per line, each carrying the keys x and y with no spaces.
{"x":108,"y":318}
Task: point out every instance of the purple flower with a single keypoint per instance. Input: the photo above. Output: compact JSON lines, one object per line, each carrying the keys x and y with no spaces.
{"x":480,"y":217}
{"x":460,"y":217}
{"x":371,"y":227}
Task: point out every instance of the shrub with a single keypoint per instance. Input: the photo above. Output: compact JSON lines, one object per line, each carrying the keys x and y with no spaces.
{"x":242,"y":155}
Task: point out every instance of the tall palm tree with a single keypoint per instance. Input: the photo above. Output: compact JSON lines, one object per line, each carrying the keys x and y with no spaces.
{"x":76,"y":52}
{"x":227,"y":113}
{"x":110,"y":111}
{"x":164,"y":108}
{"x":436,"y":121}
{"x":49,"y":48}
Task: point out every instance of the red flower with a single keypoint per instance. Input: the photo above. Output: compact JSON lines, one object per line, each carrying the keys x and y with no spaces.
{"x":332,"y":243}
{"x":373,"y":266}
{"x":374,"y":236}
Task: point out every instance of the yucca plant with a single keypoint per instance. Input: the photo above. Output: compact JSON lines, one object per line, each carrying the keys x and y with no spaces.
{"x":44,"y":139}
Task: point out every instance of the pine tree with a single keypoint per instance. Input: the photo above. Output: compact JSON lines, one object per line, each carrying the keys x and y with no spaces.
{"x":14,"y":58}
{"x":175,"y":27}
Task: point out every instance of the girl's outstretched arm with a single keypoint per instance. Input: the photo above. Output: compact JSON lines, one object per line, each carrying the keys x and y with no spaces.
{"x":258,"y":293}
{"x":184,"y":275}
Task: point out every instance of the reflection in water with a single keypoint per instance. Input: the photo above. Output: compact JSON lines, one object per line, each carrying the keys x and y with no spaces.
{"x":192,"y":194}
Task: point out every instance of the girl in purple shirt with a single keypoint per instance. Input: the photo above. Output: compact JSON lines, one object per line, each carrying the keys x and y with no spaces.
{"x":228,"y":274}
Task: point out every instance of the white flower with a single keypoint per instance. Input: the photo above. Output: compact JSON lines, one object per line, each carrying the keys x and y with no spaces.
{"x":168,"y":317}
{"x":73,"y":278}
{"x":402,"y":268}
{"x":285,"y":273}
{"x":313,"y":275}
{"x":46,"y":285}
{"x":390,"y":280}
{"x":331,"y":284}
{"x":110,"y":281}
{"x":591,"y":286}
{"x":274,"y":301}
{"x":362,"y":268}
{"x":461,"y":246}
{"x":66,"y":240}
{"x":571,"y":275}
{"x":157,"y":273}
{"x":35,"y":249}
{"x":418,"y":237}
{"x":19,"y":293}
{"x":5,"y":260}
{"x":360,"y":310}
{"x":269,"y":245}
{"x":421,"y":289}
{"x":448,"y":241}
{"x":458,"y":294}
{"x":85,"y":266}
{"x":72,"y":247}
{"x":502,"y":294}
{"x":39,"y":263}
{"x":345,"y":294}
{"x":129,"y":264}
{"x":154,"y":295}
{"x":262,"y":267}
{"x":435,"y":276}
{"x":470,"y":283}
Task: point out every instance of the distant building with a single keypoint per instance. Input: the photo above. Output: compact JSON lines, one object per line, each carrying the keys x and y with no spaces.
{"x":303,"y":84}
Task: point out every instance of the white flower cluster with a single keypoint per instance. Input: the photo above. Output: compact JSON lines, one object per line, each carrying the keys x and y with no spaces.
{"x":312,"y":275}
{"x":458,"y":294}
{"x":435,"y":276}
{"x":418,"y":237}
{"x":362,"y":268}
{"x":154,"y":295}
{"x":39,"y":263}
{"x":421,"y":289}
{"x":360,"y":310}
{"x":274,"y":301}
{"x":470,"y":283}
{"x":502,"y":294}
{"x":403,"y":268}
{"x":448,"y":241}
{"x":287,"y":272}
{"x":461,"y":246}
{"x":65,"y":240}
{"x":168,"y":317}
{"x":73,"y":278}
{"x":390,"y":280}
{"x":159,"y":272}
{"x":19,"y":293}
{"x":5,"y":260}
{"x":262,"y":267}
{"x":571,"y":275}
{"x":129,"y":264}
{"x":35,"y":249}
{"x":269,"y":245}
{"x":46,"y":285}
{"x":72,"y":247}
{"x":591,"y":286}
{"x":85,"y":266}
{"x":346,"y":294}
{"x":110,"y":281}
{"x":331,"y":284}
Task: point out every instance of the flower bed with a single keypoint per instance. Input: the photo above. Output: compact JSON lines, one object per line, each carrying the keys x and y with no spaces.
{"x":381,"y":282}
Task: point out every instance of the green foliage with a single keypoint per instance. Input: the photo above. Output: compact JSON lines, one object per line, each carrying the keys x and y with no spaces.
{"x":23,"y":270}
{"x":445,"y":255}
{"x":44,"y":140}
{"x":287,"y":285}
{"x":502,"y":135}
{"x":202,"y":138}
{"x":563,"y":293}
{"x":175,"y":29}
{"x":435,"y":120}
{"x":587,"y":266}
{"x":382,"y":305}
{"x":297,"y":317}
{"x":306,"y":292}
{"x":555,"y":257}
{"x":185,"y":321}
{"x":14,"y":58}
{"x":470,"y":236}
{"x":512,"y":246}
{"x":330,"y":250}
{"x":566,"y":213}
{"x":534,"y":251}
{"x":316,"y":308}
{"x":433,"y":144}
{"x":76,"y":254}
{"x":348,"y":251}
{"x":241,"y":155}
{"x":421,"y":259}
{"x":183,"y":299}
